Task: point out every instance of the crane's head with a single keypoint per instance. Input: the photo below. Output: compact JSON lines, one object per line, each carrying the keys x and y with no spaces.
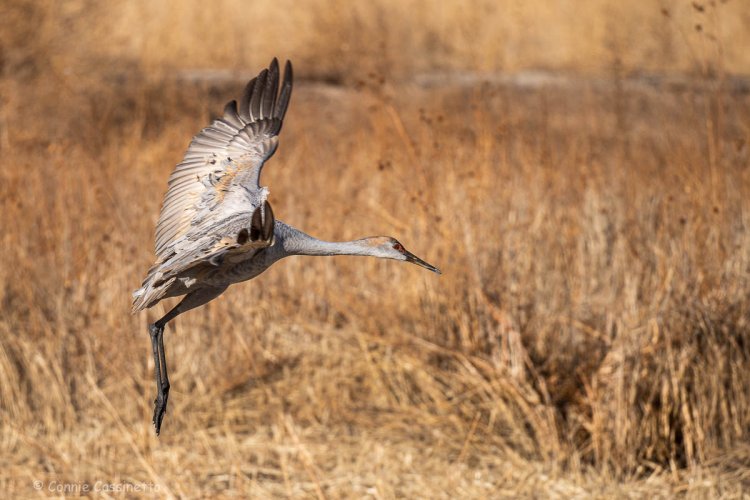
{"x":389,"y":248}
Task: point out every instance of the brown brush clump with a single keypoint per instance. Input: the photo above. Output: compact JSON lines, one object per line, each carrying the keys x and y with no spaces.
{"x":589,"y":336}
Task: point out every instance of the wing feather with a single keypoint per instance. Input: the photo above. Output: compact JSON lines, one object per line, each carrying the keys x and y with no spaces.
{"x":285,"y":95}
{"x":255,"y":99}
{"x":270,"y":91}
{"x":231,"y":117}
{"x":225,"y":158}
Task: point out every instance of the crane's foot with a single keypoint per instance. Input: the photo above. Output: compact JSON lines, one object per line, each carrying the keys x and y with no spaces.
{"x":160,"y":408}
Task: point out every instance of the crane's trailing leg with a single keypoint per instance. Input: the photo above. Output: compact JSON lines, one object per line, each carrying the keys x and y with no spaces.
{"x":160,"y":366}
{"x":191,"y":300}
{"x":260,"y":229}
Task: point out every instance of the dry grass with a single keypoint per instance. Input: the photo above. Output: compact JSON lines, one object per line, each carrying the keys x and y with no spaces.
{"x":590,"y":335}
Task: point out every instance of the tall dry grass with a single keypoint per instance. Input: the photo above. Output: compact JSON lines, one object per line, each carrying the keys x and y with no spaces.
{"x":589,"y":335}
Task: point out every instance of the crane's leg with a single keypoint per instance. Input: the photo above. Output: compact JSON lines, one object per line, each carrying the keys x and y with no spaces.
{"x":191,"y":300}
{"x":160,"y":365}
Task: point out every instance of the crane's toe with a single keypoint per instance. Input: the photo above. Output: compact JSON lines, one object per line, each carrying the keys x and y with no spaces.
{"x":160,"y":408}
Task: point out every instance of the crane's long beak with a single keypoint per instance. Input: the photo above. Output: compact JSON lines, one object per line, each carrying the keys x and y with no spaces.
{"x":410,"y":257}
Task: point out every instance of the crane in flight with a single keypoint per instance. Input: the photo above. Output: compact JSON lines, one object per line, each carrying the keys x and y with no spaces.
{"x":216,"y":227}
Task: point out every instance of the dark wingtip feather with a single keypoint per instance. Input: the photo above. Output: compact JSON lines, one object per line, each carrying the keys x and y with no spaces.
{"x":245,"y":101}
{"x":262,"y":99}
{"x":231,"y":107}
{"x":286,"y":92}
{"x":268,"y":102}
{"x":288,"y":69}
{"x":255,"y":99}
{"x":231,"y":115}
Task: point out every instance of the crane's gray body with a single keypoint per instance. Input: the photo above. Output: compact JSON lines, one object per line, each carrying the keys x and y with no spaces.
{"x":209,"y":280}
{"x":250,"y":265}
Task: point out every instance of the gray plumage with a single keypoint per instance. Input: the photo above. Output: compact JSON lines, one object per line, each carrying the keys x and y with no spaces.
{"x":216,"y":226}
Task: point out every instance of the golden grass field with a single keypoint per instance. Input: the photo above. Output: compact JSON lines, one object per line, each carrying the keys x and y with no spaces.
{"x":589,"y":336}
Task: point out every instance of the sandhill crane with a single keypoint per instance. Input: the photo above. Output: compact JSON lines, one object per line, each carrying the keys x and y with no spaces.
{"x":216,"y":227}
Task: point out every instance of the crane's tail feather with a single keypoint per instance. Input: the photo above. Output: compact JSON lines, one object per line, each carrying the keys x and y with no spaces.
{"x":154,"y":288}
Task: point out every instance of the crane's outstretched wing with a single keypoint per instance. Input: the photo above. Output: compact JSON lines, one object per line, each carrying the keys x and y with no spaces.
{"x":215,"y":209}
{"x":218,"y":178}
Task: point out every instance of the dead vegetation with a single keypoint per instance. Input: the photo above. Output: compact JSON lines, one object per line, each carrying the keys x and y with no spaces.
{"x":589,"y":335}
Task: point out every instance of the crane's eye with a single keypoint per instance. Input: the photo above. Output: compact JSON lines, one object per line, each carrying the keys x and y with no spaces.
{"x":398,"y":246}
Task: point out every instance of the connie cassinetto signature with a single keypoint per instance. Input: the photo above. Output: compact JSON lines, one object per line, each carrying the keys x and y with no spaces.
{"x":82,"y":487}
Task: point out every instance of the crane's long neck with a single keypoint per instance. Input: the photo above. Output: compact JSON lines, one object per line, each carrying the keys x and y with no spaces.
{"x":291,"y":241}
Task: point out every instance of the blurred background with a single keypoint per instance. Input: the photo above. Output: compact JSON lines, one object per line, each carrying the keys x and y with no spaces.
{"x":578,"y":170}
